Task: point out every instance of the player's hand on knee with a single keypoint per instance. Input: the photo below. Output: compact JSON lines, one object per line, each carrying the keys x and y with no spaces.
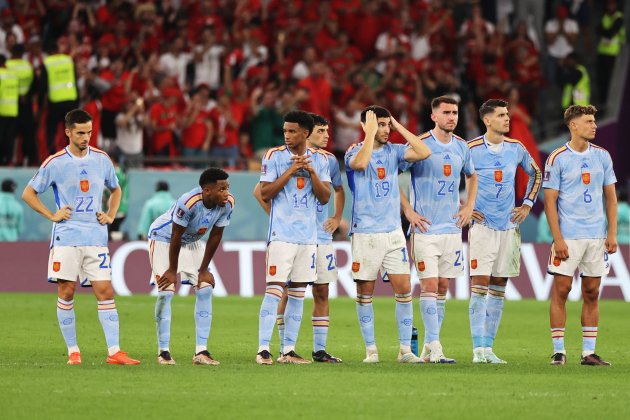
{"x":477,"y":216}
{"x":205,"y":277}
{"x":169,"y":277}
{"x":63,"y":213}
{"x":560,"y":249}
{"x":104,"y":218}
{"x":611,"y":244}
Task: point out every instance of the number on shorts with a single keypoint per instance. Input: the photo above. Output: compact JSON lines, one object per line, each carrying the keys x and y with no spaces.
{"x":84,"y":204}
{"x":443,"y":189}
{"x":587,"y":197}
{"x":331,"y":262}
{"x":104,"y":257}
{"x":313,"y":263}
{"x":499,"y":189}
{"x":458,"y":260}
{"x":404,"y":252}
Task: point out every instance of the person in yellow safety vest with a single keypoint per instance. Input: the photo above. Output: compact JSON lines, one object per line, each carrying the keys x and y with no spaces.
{"x":58,"y":84}
{"x":612,"y":35}
{"x":26,"y":122}
{"x":576,"y":82}
{"x":8,"y":111}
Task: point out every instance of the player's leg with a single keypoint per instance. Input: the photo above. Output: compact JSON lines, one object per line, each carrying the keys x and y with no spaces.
{"x":425,"y":252}
{"x":158,"y":259}
{"x":558,"y":315}
{"x":63,"y":268}
{"x":280,"y":319}
{"x":494,"y":312}
{"x":96,"y":268}
{"x":280,"y":256}
{"x":443,"y":284}
{"x":428,"y":311}
{"x":365,"y":313}
{"x":326,"y":274}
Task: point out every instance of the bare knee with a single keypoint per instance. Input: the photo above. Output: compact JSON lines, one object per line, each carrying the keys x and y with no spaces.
{"x":320,"y":293}
{"x":590,"y":294}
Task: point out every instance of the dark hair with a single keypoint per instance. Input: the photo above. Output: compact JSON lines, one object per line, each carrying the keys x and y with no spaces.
{"x":489,"y":106}
{"x":378,"y":110}
{"x":211,"y":176}
{"x":161,"y":186}
{"x":301,"y":118}
{"x":17,"y":50}
{"x":77,"y":116}
{"x":576,"y":111}
{"x":318,"y":119}
{"x":3,"y":59}
{"x":436,"y":102}
{"x":8,"y":185}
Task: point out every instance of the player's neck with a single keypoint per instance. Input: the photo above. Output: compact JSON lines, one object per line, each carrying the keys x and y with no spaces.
{"x":494,"y":137}
{"x":441,"y":135}
{"x":578,"y":144}
{"x":311,"y":145}
{"x":298,"y":150}
{"x":75,"y":151}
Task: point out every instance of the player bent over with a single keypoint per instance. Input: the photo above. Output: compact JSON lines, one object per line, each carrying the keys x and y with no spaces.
{"x":326,"y":262}
{"x":378,"y":242}
{"x":437,"y":229}
{"x":494,"y":237}
{"x":175,"y":247}
{"x":78,"y":249}
{"x":579,"y":181}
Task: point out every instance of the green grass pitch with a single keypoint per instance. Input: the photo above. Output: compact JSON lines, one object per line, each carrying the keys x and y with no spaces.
{"x":35,"y":381}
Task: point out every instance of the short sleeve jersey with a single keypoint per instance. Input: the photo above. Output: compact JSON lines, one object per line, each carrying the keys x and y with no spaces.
{"x":496,"y":171}
{"x":434,"y":188}
{"x":190,"y":212}
{"x":375,"y":193}
{"x":293,"y":215}
{"x":324,"y":237}
{"x":579,"y":179}
{"x":78,"y":182}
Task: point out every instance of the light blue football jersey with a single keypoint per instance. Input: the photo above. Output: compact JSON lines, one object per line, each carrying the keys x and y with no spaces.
{"x":375,"y":193}
{"x":78,"y":182}
{"x":496,"y":172}
{"x":189,"y":212}
{"x":579,"y":178}
{"x":324,"y":237}
{"x":434,"y":188}
{"x":293,"y":215}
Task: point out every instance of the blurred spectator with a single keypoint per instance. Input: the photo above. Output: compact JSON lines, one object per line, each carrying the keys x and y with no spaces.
{"x":623,"y":216}
{"x":113,"y":99}
{"x":388,"y":43}
{"x":154,"y":207}
{"x":561,"y":34}
{"x":129,"y":126}
{"x":8,"y":26}
{"x":576,"y":82}
{"x":317,"y":91}
{"x":532,"y":13}
{"x":266,"y":130}
{"x":347,"y":126}
{"x":302,"y":69}
{"x":173,"y":62}
{"x":612,"y":35}
{"x":115,"y":233}
{"x":523,"y":60}
{"x":9,"y":98}
{"x":197,"y":126}
{"x":227,"y":117}
{"x":11,"y":212}
{"x":163,"y":117}
{"x":26,"y":89}
{"x":207,"y":60}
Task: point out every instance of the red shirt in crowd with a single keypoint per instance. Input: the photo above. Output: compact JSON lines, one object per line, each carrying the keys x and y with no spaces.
{"x":163,"y":118}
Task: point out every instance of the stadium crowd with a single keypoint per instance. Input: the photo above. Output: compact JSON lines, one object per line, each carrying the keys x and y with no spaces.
{"x":211,"y":79}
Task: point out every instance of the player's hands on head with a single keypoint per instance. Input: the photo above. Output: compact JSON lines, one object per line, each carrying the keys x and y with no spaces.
{"x":63,"y":213}
{"x":611,"y":244}
{"x":104,"y":218}
{"x":417,"y":221}
{"x":478,"y":216}
{"x":169,"y":277}
{"x":463,"y":216}
{"x":205,"y":277}
{"x":394,"y":122}
{"x":520,"y":213}
{"x":370,"y":126}
{"x":560,"y":249}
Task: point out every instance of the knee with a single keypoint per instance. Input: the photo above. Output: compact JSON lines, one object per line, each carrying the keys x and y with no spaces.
{"x":590,"y":294}
{"x":562,"y":290}
{"x":320,"y":293}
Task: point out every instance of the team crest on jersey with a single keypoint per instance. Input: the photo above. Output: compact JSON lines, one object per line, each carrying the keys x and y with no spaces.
{"x":56,"y":266}
{"x":473,"y":264}
{"x":202,"y":231}
{"x":447,"y":170}
{"x":586,"y":178}
{"x":355,"y":267}
{"x":300,"y":182}
{"x":381,"y":173}
{"x":498,"y":175}
{"x":272,"y":270}
{"x":421,"y":266}
{"x":85,"y":185}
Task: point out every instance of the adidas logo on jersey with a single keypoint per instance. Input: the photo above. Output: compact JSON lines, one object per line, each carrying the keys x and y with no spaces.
{"x":84,"y":172}
{"x":378,"y":162}
{"x":584,"y":165}
{"x":497,"y":163}
{"x":447,"y":157}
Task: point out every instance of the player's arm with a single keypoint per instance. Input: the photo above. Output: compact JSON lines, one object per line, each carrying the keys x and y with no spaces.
{"x":31,"y":198}
{"x":610,"y":195}
{"x":551,"y":211}
{"x":114,"y":204}
{"x":418,"y":150}
{"x":269,"y":190}
{"x":175,"y":245}
{"x":205,"y":276}
{"x":533,"y":187}
{"x":465,"y":213}
{"x":414,"y":218}
{"x":332,"y":223}
{"x":266,"y":206}
{"x":361,"y":160}
{"x":321,"y":189}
